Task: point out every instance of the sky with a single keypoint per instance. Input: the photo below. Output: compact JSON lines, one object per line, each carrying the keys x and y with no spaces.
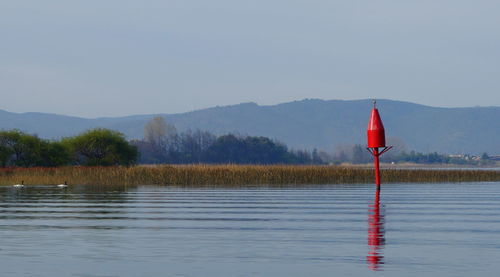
{"x":119,"y":57}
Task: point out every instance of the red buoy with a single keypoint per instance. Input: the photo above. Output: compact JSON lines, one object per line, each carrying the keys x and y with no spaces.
{"x":375,"y":131}
{"x":376,"y":139}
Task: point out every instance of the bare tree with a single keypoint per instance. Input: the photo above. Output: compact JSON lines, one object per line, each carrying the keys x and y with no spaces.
{"x":158,"y":133}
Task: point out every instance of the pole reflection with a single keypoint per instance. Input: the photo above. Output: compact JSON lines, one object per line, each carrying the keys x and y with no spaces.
{"x":376,"y":234}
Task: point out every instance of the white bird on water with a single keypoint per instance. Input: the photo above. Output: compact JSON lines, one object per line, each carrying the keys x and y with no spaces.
{"x":19,"y":185}
{"x":63,"y":185}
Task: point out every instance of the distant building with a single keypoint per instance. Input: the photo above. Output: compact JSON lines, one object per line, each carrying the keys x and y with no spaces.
{"x":475,"y":158}
{"x":495,"y":158}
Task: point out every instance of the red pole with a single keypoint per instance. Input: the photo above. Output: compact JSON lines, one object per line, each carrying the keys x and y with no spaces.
{"x":377,"y":166}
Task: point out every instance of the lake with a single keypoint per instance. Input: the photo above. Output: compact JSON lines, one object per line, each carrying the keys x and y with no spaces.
{"x":327,"y":230}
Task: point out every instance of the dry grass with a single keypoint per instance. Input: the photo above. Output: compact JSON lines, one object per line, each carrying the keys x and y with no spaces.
{"x":212,"y":175}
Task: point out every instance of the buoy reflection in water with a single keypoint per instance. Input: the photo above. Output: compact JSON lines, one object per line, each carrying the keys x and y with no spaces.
{"x":376,"y":234}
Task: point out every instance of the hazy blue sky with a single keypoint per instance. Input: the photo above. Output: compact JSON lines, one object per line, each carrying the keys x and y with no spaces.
{"x":117,"y":57}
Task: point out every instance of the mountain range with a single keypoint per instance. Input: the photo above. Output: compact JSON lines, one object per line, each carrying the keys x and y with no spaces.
{"x":305,"y":124}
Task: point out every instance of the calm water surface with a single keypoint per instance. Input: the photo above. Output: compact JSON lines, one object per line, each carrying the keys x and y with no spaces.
{"x":409,"y":229}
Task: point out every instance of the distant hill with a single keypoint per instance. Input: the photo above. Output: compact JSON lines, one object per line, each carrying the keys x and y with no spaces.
{"x":309,"y":123}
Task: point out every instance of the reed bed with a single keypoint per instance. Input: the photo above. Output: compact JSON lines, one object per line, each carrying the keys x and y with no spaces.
{"x":229,"y":175}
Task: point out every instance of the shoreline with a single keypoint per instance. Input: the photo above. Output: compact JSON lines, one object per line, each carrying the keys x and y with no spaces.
{"x":384,"y":165}
{"x":237,"y":175}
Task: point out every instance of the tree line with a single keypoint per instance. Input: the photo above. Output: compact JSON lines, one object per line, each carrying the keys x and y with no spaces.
{"x":97,"y":147}
{"x":162,"y":143}
{"x":357,"y":154}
